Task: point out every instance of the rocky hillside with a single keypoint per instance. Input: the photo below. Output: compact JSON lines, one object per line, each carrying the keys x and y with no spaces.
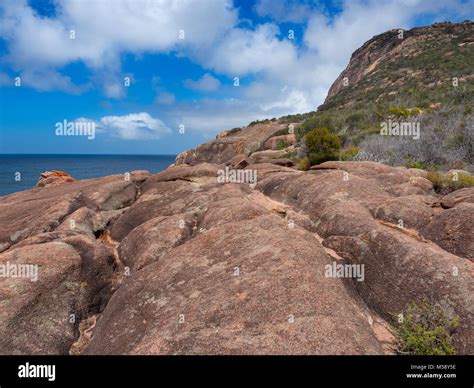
{"x":393,"y":63}
{"x":423,"y":75}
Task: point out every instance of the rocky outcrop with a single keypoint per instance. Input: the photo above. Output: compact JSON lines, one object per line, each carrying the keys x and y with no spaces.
{"x":55,"y":272}
{"x":282,"y":140}
{"x":237,"y":288}
{"x":377,"y":215}
{"x":453,"y":230}
{"x":52,"y":178}
{"x":70,"y":278}
{"x":180,"y":263}
{"x":44,"y":209}
{"x":244,"y":142}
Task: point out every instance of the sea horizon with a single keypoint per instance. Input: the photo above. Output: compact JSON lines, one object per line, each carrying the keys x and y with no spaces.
{"x":19,"y":172}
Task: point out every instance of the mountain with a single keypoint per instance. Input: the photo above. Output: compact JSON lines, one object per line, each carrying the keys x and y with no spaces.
{"x":391,"y":64}
{"x":424,"y":75}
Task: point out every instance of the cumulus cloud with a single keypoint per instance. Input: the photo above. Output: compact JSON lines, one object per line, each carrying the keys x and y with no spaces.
{"x":46,"y":80}
{"x":207,"y":83}
{"x":105,"y":29}
{"x":244,"y":52}
{"x":135,"y":126}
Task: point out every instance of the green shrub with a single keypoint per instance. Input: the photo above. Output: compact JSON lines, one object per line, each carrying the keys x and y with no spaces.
{"x":233,"y":131}
{"x":296,"y":118}
{"x":426,"y":330}
{"x":349,"y":153}
{"x":415,"y":164}
{"x":281,"y":144}
{"x":321,"y":145}
{"x":446,"y":183}
{"x":303,"y":164}
{"x":256,"y":122}
{"x":291,"y":154}
{"x":401,"y":112}
{"x":319,"y":120}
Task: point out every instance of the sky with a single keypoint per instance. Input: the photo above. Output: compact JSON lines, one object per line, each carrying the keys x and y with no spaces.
{"x":162,"y":76}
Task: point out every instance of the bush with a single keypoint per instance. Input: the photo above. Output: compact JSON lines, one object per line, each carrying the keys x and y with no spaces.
{"x":296,"y":118}
{"x":426,"y":330}
{"x":256,"y":122}
{"x":404,"y":112}
{"x":321,"y":145}
{"x":319,"y":120}
{"x":349,"y":153}
{"x":281,"y":144}
{"x":303,"y":164}
{"x":233,"y":131}
{"x":415,"y":164}
{"x":445,"y":184}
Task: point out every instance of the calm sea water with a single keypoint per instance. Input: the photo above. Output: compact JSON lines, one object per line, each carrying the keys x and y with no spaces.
{"x":78,"y":166}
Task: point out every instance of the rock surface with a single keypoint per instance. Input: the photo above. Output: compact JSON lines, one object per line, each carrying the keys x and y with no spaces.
{"x":225,"y":147}
{"x":178,"y":263}
{"x":51,"y":178}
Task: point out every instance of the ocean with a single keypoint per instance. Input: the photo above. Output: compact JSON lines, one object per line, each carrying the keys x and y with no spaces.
{"x":78,"y":166}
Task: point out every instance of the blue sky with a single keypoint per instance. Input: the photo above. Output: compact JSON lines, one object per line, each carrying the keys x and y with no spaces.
{"x":182,"y":58}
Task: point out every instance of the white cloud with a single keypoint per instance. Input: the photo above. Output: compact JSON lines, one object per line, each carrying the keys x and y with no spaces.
{"x":207,"y":83}
{"x":104,"y":29}
{"x":243,"y":52}
{"x":165,"y":98}
{"x":135,"y":126}
{"x":46,"y":80}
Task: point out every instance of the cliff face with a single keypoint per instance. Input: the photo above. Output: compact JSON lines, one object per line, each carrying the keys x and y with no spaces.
{"x":399,"y":58}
